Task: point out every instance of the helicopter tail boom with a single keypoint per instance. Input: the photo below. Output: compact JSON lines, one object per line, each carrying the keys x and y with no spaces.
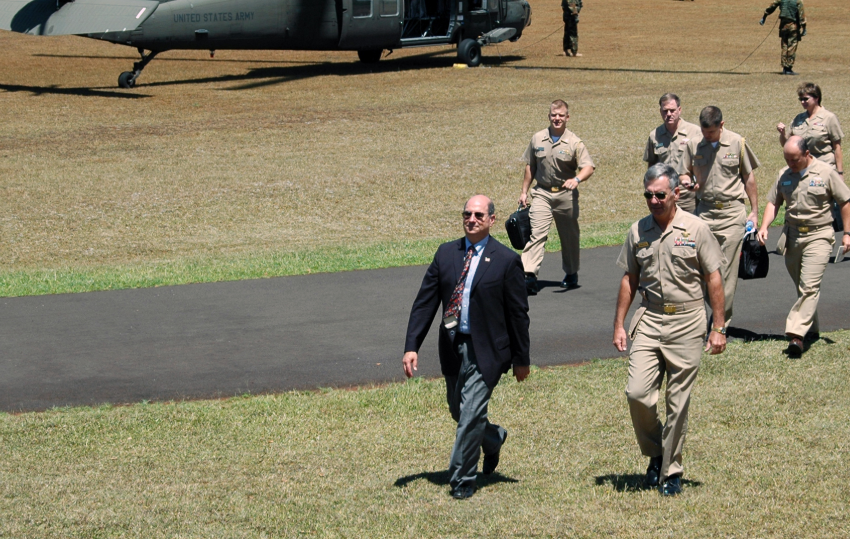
{"x":77,"y":17}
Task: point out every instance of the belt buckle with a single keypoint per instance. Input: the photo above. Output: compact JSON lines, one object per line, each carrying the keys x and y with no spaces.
{"x":669,"y":308}
{"x":718,"y":205}
{"x":803,"y":229}
{"x":555,"y":189}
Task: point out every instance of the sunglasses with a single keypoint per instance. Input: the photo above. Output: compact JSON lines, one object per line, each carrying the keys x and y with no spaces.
{"x":479,"y":215}
{"x":649,"y":194}
{"x":804,"y":99}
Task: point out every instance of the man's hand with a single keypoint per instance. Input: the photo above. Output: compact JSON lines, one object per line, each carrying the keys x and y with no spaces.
{"x":521,"y":372}
{"x":523,"y":199}
{"x":570,"y":184}
{"x":410,"y":362}
{"x":781,"y":128}
{"x":754,"y":217}
{"x":762,"y":235}
{"x":845,"y":241}
{"x":620,"y":339}
{"x":716,"y":343}
{"x":761,"y":22}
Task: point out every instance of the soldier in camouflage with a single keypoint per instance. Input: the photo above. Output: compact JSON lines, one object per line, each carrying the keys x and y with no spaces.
{"x":792,"y":26}
{"x":571,"y":9}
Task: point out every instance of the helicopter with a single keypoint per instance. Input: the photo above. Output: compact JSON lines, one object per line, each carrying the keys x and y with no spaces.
{"x":367,"y":26}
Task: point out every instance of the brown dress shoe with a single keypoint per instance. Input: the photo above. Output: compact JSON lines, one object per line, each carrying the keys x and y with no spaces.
{"x":795,"y":347}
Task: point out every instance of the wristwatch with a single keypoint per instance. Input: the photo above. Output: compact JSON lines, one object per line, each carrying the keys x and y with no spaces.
{"x":721,"y":330}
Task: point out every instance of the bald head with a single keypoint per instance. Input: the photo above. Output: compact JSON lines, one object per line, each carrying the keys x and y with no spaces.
{"x":478,"y":216}
{"x":797,"y":154}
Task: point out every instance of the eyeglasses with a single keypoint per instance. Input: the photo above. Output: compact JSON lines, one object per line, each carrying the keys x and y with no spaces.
{"x":805,"y":98}
{"x":649,"y":194}
{"x":479,"y":215}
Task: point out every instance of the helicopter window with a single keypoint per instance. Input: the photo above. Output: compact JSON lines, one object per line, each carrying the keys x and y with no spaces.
{"x":389,"y":8}
{"x":361,"y":8}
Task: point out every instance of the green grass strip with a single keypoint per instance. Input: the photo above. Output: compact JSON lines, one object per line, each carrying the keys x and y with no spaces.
{"x":35,"y":282}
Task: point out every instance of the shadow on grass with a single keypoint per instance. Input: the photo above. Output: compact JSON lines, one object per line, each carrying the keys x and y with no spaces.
{"x":442,"y":478}
{"x":288,"y":71}
{"x":629,"y":70}
{"x":81,"y":92}
{"x":633,"y":482}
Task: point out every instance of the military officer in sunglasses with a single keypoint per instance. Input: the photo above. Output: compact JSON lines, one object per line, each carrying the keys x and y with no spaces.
{"x":671,"y":257}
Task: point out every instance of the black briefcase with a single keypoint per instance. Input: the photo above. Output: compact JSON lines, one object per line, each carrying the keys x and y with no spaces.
{"x":754,"y":260}
{"x":518,"y":226}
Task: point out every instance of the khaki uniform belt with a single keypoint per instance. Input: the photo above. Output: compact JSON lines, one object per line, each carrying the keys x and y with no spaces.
{"x":804,"y":229}
{"x":720,"y":204}
{"x":672,"y":308}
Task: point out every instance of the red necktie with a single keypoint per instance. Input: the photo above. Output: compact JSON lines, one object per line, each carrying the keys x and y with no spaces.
{"x":457,"y":296}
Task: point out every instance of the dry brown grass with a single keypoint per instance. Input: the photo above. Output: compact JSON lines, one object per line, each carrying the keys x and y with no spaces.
{"x":258,"y":152}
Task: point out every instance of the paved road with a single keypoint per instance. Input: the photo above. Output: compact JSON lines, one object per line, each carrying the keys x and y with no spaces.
{"x":301,"y":332}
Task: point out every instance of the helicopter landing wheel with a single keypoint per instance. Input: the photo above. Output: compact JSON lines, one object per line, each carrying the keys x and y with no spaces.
{"x":371,"y":56}
{"x":126,"y":80}
{"x":469,"y":52}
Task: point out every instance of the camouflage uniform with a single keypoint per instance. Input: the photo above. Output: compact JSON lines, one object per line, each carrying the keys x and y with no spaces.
{"x":792,"y":21}
{"x":571,"y":9}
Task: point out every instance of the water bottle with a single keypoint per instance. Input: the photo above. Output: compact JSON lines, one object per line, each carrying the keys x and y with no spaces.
{"x":750,"y":227}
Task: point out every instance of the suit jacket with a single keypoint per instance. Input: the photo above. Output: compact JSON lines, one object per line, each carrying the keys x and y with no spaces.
{"x":498,"y":309}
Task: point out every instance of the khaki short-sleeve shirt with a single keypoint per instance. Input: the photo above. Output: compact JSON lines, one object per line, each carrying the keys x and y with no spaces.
{"x":820,"y":132}
{"x":671,"y":264}
{"x":662,"y":147}
{"x":808,"y":196}
{"x":722,"y":170}
{"x":553,"y":163}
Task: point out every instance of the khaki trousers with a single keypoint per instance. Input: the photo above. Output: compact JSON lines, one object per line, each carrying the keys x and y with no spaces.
{"x":806,"y":257}
{"x":727,"y":225}
{"x":670,"y":343}
{"x":563,"y":208}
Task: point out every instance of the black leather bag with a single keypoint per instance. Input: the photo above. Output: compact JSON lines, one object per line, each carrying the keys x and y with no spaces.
{"x":518,"y":226}
{"x":754,"y":260}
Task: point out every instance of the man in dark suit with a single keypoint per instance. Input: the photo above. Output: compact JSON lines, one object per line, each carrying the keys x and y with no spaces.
{"x":484,"y":331}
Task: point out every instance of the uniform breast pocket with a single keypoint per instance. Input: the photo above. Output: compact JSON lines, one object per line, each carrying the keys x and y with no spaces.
{"x":685,"y":263}
{"x":816,"y":196}
{"x":645,"y":259}
{"x":661,"y":153}
{"x":730,"y":164}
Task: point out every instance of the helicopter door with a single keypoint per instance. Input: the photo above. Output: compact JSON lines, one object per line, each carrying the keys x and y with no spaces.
{"x":370,"y":24}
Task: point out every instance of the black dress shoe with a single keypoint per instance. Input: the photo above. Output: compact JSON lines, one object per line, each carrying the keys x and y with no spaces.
{"x":463,"y":492}
{"x":491,"y":461}
{"x":653,"y":471}
{"x":570,"y":281}
{"x":672,"y":486}
{"x":531,"y":284}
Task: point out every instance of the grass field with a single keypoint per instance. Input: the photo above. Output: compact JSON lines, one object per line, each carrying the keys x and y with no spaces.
{"x":251,"y":158}
{"x":766,"y":457}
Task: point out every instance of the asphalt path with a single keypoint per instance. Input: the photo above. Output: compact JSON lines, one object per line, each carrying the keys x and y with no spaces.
{"x":303,"y":332}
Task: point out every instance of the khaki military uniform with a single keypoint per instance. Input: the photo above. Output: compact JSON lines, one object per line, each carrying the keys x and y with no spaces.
{"x":820,"y":132}
{"x":553,"y":163}
{"x":571,"y":9}
{"x":720,"y":173}
{"x":792,"y":17}
{"x":668,"y":330}
{"x":662,"y":147}
{"x":808,"y":235}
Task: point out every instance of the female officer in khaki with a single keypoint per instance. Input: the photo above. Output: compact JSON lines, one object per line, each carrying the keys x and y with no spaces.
{"x":807,"y":187}
{"x":559,"y":161}
{"x":818,"y":127}
{"x":821,"y":131}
